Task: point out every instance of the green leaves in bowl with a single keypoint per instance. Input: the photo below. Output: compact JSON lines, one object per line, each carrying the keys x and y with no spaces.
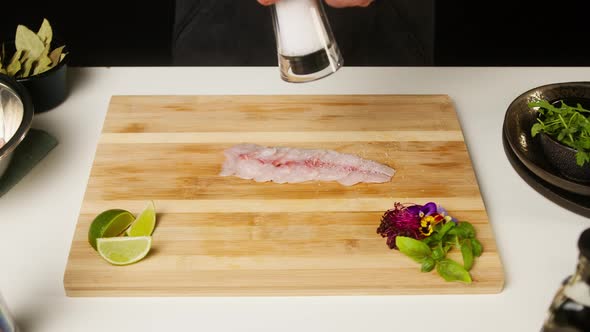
{"x":33,"y":52}
{"x":567,"y":124}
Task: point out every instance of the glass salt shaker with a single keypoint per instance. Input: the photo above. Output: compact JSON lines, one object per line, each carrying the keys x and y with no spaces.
{"x":6,"y":322}
{"x":570,"y":308}
{"x":306,"y":47}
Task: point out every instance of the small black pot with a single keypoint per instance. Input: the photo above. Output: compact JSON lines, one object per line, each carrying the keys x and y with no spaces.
{"x":563,"y":158}
{"x":48,"y":89}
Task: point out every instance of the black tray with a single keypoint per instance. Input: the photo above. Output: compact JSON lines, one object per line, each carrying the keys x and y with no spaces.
{"x":579,"y":204}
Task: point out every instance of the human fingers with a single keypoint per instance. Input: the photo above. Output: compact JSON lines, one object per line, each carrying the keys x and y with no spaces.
{"x":267,"y":2}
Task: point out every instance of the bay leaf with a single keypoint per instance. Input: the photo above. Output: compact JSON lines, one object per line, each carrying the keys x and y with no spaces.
{"x":55,"y":55}
{"x":26,"y":64}
{"x":19,"y":56}
{"x":27,"y":40}
{"x":26,"y":67}
{"x":43,"y":63}
{"x":45,"y":32}
{"x":3,"y":71}
{"x":14,"y":67}
{"x":16,"y":56}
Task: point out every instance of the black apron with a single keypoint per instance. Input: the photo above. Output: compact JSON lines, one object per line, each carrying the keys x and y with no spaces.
{"x":240,"y":33}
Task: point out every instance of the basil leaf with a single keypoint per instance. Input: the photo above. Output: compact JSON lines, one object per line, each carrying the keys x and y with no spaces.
{"x":450,"y":237}
{"x":467,"y":253}
{"x":413,"y":248}
{"x":446,"y":228}
{"x":428,"y":264}
{"x":438,"y":253}
{"x":452,"y":271}
{"x":464,"y":230}
{"x":430,"y":241}
{"x":477,"y":247}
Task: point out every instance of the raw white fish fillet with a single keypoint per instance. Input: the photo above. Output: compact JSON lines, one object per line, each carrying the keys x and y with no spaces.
{"x":290,"y":165}
{"x":1,"y":142}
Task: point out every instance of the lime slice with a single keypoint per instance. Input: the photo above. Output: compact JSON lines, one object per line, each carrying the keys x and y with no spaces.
{"x":124,"y":250}
{"x":145,"y":223}
{"x":108,"y":224}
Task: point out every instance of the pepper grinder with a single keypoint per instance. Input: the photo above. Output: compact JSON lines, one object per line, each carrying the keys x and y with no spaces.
{"x":306,"y":48}
{"x":570,"y":308}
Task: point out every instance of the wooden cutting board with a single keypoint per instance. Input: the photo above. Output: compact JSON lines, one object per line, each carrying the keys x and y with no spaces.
{"x":228,"y":236}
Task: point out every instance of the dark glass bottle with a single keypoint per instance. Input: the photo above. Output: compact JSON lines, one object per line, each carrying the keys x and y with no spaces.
{"x":570,"y":309}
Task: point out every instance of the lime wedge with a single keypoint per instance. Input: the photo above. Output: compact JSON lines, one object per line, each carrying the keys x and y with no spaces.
{"x":145,"y":223}
{"x":108,"y":224}
{"x":124,"y":250}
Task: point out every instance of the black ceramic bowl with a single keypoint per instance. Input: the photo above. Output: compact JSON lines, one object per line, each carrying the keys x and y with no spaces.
{"x":48,"y":89}
{"x":519,"y":119}
{"x":563,"y":158}
{"x":16,"y":117}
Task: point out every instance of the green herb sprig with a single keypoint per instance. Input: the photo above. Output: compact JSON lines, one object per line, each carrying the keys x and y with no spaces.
{"x":431,"y":252}
{"x":567,"y":124}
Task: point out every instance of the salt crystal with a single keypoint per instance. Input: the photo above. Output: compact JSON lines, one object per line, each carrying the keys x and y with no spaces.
{"x":300,"y":27}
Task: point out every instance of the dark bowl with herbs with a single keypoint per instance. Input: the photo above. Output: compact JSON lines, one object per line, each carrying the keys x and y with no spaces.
{"x":38,"y":61}
{"x":548,"y":129}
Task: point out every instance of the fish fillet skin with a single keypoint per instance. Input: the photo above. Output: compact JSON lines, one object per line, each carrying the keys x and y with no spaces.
{"x":292,"y":165}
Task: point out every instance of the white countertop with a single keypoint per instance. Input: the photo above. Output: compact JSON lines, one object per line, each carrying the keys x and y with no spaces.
{"x":536,"y":238}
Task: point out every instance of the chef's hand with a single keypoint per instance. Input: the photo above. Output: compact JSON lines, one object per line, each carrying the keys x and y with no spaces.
{"x":333,"y":3}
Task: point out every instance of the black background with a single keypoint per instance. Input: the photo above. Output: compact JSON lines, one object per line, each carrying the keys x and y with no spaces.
{"x":515,"y":33}
{"x":467,"y":33}
{"x":101,"y":33}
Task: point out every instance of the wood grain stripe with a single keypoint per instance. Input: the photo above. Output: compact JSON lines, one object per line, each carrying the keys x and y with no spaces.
{"x":287,"y":137}
{"x":283,"y":205}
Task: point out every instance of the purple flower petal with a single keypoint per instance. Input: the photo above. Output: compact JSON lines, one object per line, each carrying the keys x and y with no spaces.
{"x":414,"y":209}
{"x":428,"y":209}
{"x":445,"y":214}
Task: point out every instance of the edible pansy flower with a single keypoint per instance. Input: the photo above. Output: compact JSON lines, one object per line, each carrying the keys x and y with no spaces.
{"x":423,"y":210}
{"x":440,"y":210}
{"x":428,"y":222}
